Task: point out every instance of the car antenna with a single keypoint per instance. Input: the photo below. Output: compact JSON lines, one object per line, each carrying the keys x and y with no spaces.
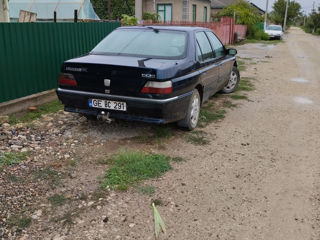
{"x":154,"y":29}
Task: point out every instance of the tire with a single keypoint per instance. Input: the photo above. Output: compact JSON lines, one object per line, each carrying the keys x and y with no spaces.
{"x":191,"y":119}
{"x":233,"y":82}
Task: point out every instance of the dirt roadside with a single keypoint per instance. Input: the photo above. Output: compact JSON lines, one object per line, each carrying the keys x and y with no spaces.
{"x":258,"y":178}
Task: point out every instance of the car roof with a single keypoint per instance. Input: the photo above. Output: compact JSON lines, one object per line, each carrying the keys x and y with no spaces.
{"x":160,"y":27}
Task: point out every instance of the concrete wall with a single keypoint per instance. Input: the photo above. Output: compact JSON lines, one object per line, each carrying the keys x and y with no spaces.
{"x":150,"y":6}
{"x":200,"y":7}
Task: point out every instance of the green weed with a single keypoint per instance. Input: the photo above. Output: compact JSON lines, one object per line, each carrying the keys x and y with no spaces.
{"x":207,"y":116}
{"x":29,"y":116}
{"x":128,"y":167}
{"x":228,"y":104}
{"x":245,"y":84}
{"x":20,"y":221}
{"x":198,"y":138}
{"x":49,"y":174}
{"x":57,"y":200}
{"x":241,"y":65}
{"x":11,"y":158}
{"x":238,"y":97}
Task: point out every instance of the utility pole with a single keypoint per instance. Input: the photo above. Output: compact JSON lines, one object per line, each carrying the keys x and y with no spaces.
{"x":266,"y":15}
{"x":285,"y":17}
{"x":109,"y":10}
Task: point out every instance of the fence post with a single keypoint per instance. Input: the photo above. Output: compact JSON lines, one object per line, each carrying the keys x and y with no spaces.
{"x":55,"y":16}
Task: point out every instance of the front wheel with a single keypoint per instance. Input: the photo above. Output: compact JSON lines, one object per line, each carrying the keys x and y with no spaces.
{"x":233,"y":81}
{"x":191,"y":119}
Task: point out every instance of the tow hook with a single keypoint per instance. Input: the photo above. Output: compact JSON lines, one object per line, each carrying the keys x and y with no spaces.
{"x":104,"y":117}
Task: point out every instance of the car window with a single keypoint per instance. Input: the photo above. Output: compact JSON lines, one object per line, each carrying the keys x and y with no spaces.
{"x":141,"y":42}
{"x":216,"y":44}
{"x":199,"y":53}
{"x":204,"y":45}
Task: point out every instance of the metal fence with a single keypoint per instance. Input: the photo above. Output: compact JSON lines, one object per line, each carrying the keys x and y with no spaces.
{"x":31,"y":54}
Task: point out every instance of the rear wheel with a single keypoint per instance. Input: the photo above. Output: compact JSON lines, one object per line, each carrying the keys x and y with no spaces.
{"x":191,"y":119}
{"x":233,"y":81}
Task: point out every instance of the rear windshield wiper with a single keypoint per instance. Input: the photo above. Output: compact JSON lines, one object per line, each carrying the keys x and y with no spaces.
{"x":154,"y":29}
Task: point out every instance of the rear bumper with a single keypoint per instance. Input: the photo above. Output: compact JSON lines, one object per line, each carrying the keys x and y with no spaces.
{"x":138,"y":109}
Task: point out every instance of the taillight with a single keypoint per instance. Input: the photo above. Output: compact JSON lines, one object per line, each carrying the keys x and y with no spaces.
{"x":67,"y":79}
{"x":157,"y":87}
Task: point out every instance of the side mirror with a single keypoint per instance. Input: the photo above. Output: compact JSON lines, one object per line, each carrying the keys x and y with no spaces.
{"x":232,"y":51}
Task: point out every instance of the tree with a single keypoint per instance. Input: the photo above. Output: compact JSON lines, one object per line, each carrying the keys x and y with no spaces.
{"x":247,"y":15}
{"x":313,"y":22}
{"x":118,"y":7}
{"x":279,"y":10}
{"x":244,"y":13}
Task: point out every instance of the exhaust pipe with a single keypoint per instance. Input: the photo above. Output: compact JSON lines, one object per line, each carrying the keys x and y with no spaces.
{"x":104,"y":117}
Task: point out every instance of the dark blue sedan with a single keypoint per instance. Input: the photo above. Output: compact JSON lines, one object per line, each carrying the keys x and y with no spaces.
{"x":156,"y":74}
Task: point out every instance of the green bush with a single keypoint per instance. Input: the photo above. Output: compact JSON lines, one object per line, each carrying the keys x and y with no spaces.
{"x":154,"y":17}
{"x":129,"y":20}
{"x":256,"y":33}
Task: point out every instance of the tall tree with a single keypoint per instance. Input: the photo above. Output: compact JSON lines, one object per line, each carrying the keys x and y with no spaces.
{"x":279,"y":9}
{"x":118,"y":7}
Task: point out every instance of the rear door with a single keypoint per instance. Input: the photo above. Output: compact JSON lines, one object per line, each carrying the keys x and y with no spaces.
{"x":224,"y":61}
{"x":208,"y":67}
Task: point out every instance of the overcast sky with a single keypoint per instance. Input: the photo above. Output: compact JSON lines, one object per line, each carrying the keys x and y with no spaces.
{"x":305,"y":4}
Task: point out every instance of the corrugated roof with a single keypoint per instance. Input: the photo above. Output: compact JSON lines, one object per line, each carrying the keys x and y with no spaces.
{"x":45,"y":8}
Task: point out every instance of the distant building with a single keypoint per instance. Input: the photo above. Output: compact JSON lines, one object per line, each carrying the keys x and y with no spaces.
{"x":175,"y":10}
{"x":45,"y":9}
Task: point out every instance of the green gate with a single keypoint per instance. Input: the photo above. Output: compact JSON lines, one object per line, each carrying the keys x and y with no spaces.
{"x":31,"y":54}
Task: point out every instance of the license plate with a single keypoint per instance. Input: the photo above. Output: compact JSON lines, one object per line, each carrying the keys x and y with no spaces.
{"x":107,"y":104}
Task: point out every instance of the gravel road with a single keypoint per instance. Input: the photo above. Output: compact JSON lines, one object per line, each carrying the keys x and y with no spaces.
{"x":258,"y":178}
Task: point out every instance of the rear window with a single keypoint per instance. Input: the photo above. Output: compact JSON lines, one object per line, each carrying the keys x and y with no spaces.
{"x":274,"y":28}
{"x":144,"y":42}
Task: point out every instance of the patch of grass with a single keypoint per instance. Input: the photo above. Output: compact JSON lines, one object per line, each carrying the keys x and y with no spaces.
{"x":29,"y":116}
{"x":198,"y":138}
{"x":229,"y":104}
{"x":241,"y":65}
{"x":177,"y":159}
{"x":161,"y":132}
{"x":20,"y":221}
{"x":262,"y":41}
{"x":238,"y":97}
{"x":245,"y":84}
{"x":130,"y":167}
{"x":49,"y":174}
{"x":146,"y":190}
{"x":11,"y":158}
{"x":207,"y":116}
{"x":57,"y":200}
{"x":253,"y":63}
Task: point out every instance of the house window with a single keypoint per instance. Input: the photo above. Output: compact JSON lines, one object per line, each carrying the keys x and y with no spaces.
{"x":205,"y":14}
{"x":165,"y":12}
{"x":194,"y":13}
